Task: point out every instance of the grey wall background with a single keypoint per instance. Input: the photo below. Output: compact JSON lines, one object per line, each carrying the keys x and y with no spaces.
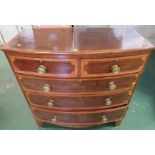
{"x":7,"y":32}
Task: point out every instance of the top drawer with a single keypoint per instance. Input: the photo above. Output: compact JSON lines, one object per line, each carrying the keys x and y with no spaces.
{"x":112,"y":66}
{"x":45,"y":67}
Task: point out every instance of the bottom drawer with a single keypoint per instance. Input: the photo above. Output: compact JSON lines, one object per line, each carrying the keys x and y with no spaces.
{"x":80,"y":119}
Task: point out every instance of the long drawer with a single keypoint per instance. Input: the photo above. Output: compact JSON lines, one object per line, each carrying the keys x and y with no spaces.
{"x":78,"y":102}
{"x":66,"y":68}
{"x":80,"y":119}
{"x":48,"y":85}
{"x":112,"y":66}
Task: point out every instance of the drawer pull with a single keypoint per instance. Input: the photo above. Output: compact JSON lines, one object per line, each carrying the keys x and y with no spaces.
{"x":115,"y":69}
{"x":50,"y":103}
{"x":47,"y":88}
{"x":112,"y":85}
{"x":42,"y":69}
{"x":104,"y":118}
{"x":54,"y":119}
{"x":108,"y":101}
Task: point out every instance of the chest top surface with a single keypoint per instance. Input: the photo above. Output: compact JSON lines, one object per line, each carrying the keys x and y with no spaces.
{"x":78,"y":40}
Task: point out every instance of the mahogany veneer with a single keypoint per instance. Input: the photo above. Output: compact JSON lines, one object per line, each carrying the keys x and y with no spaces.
{"x":79,"y":119}
{"x":78,"y":77}
{"x":82,"y":86}
{"x":78,"y":102}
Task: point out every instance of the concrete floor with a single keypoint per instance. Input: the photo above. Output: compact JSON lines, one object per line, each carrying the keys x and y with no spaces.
{"x":15,"y":114}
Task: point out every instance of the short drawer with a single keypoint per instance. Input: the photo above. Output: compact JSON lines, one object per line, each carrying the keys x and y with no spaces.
{"x":48,"y":85}
{"x":45,"y":67}
{"x":78,"y":102}
{"x":112,"y":66}
{"x":77,"y":119}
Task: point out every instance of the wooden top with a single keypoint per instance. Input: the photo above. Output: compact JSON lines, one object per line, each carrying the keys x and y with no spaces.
{"x":78,"y":40}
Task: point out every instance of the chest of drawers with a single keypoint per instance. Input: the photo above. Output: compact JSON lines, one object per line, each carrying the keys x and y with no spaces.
{"x":78,"y":77}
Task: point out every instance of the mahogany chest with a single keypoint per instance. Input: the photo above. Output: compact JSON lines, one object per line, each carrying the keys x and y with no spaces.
{"x":78,"y":77}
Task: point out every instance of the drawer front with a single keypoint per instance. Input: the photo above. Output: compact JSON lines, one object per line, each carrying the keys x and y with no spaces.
{"x":45,"y":67}
{"x":112,"y":66}
{"x":78,"y":102}
{"x":80,"y":118}
{"x":110,"y":84}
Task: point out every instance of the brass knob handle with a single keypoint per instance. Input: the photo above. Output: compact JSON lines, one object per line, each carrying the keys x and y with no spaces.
{"x":112,"y":85}
{"x":50,"y":103}
{"x":42,"y":69}
{"x":115,"y":69}
{"x":104,"y":118}
{"x":54,"y":119}
{"x":108,"y":101}
{"x":47,"y":88}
